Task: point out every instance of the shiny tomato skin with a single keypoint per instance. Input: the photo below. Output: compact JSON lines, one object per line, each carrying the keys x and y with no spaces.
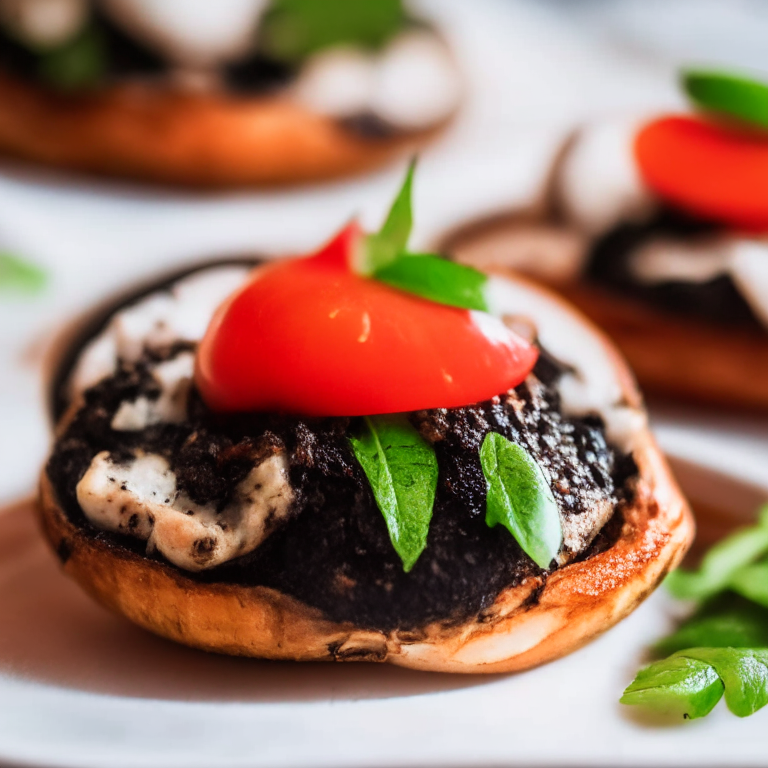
{"x":710,"y":170}
{"x":305,"y":337}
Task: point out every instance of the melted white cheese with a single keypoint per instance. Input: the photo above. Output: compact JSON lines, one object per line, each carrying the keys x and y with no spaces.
{"x":44,"y":23}
{"x":593,"y":387}
{"x":412,"y":84}
{"x":700,"y":260}
{"x":155,"y":322}
{"x":140,"y":498}
{"x":599,"y":182}
{"x":193,"y":33}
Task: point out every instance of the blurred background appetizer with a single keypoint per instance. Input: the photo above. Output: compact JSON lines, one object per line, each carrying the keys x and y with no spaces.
{"x":657,"y":229}
{"x":221,"y":94}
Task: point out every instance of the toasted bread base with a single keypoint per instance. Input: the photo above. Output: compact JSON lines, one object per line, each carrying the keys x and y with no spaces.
{"x":671,"y":355}
{"x":530,"y":624}
{"x":158,"y":134}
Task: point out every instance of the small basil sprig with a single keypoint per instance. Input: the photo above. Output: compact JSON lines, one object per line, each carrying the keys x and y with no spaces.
{"x":723,"y":647}
{"x":724,"y":93}
{"x":385,"y":257}
{"x":520,"y":499}
{"x":722,"y":563}
{"x":292,"y":30}
{"x":402,"y":470}
{"x":690,"y":683}
{"x":20,"y":276}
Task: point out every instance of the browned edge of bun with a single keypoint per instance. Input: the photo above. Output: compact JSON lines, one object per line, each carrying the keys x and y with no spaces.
{"x":671,"y":355}
{"x":535,"y":622}
{"x":151,"y":133}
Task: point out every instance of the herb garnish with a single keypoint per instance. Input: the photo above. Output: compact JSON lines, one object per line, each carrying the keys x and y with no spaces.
{"x":385,"y":257}
{"x":292,"y":30}
{"x":727,"y":94}
{"x":20,"y":276}
{"x":519,"y":497}
{"x":723,"y":648}
{"x":402,"y":470}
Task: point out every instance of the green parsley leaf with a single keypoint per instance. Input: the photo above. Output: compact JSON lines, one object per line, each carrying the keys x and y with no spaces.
{"x":383,"y":248}
{"x":79,"y":63}
{"x":437,"y":279}
{"x":519,"y":497}
{"x":722,"y":563}
{"x":292,"y":30}
{"x":20,"y":276}
{"x":751,"y":582}
{"x":744,"y":675}
{"x":727,"y":94}
{"x":402,"y":470}
{"x":729,"y":621}
{"x":677,"y":686}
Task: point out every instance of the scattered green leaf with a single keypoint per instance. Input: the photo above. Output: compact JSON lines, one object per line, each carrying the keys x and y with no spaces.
{"x":724,"y":93}
{"x":79,"y":63}
{"x":402,"y":470}
{"x":438,"y":280}
{"x":20,"y":276}
{"x":520,"y":499}
{"x":384,"y":247}
{"x":751,"y":582}
{"x":744,"y":675}
{"x":677,"y":686}
{"x":722,"y":562}
{"x":292,"y":30}
{"x":730,"y":621}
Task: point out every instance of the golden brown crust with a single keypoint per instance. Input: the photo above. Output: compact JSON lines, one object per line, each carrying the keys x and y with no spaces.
{"x":671,"y":355}
{"x":530,"y":624}
{"x":157,"y":134}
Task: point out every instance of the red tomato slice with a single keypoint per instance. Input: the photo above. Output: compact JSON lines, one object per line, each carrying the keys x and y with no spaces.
{"x":305,"y":336}
{"x":709,"y":170}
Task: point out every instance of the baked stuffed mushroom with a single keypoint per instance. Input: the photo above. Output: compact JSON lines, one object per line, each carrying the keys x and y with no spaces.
{"x":363,"y":454}
{"x":220,"y":94}
{"x":656,"y":229}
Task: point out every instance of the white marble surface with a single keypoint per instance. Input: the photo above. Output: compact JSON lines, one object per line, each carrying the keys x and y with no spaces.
{"x":78,"y":687}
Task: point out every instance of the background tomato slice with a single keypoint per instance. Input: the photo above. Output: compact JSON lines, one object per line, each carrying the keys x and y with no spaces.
{"x":310,"y":338}
{"x":714,"y":171}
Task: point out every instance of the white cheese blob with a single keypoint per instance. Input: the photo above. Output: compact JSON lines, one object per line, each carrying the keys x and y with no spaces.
{"x":194,"y":33}
{"x":599,"y":182}
{"x":412,"y":84}
{"x":593,"y":386}
{"x":44,"y":23}
{"x":417,"y":84}
{"x":155,"y":322}
{"x":337,"y":82}
{"x":139,"y":498}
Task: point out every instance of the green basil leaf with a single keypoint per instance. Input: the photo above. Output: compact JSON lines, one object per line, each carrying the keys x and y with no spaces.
{"x":519,"y":497}
{"x":751,"y":582}
{"x":292,"y":30}
{"x":727,"y":94}
{"x":402,"y":470}
{"x":78,"y":63}
{"x":20,"y":276}
{"x":384,"y":247}
{"x":677,"y":686}
{"x":731,"y":622}
{"x":721,"y":563}
{"x":437,"y":279}
{"x":744,"y":675}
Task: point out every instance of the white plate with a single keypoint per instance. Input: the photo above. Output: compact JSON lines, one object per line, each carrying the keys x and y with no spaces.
{"x":79,"y":687}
